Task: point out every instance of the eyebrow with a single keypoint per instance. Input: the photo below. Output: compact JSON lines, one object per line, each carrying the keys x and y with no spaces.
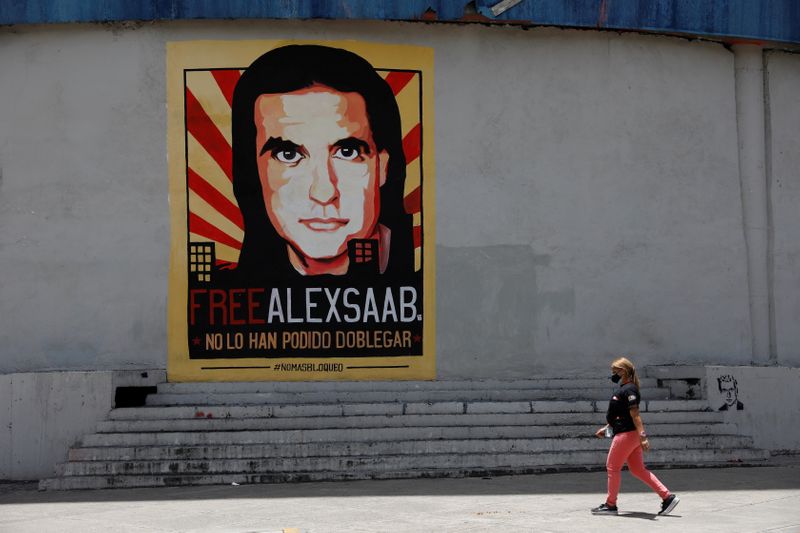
{"x":277,"y":144}
{"x":353,"y":143}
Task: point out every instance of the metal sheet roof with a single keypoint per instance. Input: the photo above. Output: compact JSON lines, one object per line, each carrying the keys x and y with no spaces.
{"x":758,"y":20}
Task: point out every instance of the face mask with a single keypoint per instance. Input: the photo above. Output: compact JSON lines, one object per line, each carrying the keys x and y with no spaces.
{"x":615,"y":378}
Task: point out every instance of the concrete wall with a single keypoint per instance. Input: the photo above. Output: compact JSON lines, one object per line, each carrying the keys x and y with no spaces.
{"x":784,"y":154}
{"x":83,"y":199}
{"x":588,"y":199}
{"x":46,"y":413}
{"x":769,"y":400}
{"x":42,"y":414}
{"x":591,"y":206}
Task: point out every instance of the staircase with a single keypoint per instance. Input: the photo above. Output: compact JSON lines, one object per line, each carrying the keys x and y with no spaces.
{"x":222,"y":433}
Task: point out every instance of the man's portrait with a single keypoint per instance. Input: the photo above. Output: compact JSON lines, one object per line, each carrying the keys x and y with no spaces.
{"x":318,"y":165}
{"x":301,"y":192}
{"x":730,"y":391}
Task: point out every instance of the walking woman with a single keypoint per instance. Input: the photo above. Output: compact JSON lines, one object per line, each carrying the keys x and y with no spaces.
{"x":629,"y":440}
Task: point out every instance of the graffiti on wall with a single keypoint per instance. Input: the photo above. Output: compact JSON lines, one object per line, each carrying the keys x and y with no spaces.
{"x":729,"y":389}
{"x":301,"y":197}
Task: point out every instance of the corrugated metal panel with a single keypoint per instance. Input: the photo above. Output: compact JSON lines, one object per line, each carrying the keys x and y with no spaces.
{"x":768,"y":20}
{"x":765,"y":20}
{"x":47,"y":11}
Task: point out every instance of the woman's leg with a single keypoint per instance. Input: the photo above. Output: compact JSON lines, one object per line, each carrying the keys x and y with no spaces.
{"x":621,"y":449}
{"x":637,"y":468}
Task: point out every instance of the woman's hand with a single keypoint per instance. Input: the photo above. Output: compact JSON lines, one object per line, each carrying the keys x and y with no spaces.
{"x":600,"y":433}
{"x":637,"y":421}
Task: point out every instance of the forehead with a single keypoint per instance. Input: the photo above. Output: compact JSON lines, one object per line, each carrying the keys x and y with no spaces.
{"x":726,"y":384}
{"x":316,"y":111}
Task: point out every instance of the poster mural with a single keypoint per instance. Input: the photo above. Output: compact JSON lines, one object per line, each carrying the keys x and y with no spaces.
{"x":301,"y":197}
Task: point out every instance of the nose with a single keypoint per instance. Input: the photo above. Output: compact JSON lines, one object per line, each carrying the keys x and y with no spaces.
{"x":323,"y":188}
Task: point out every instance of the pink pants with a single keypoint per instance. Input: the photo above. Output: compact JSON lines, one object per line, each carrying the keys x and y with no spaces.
{"x":626,"y":448}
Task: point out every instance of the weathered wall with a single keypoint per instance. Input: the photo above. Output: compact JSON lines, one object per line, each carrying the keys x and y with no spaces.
{"x":589,"y":210}
{"x":784,"y":155}
{"x":42,"y":414}
{"x":45,"y":414}
{"x":83,"y":199}
{"x":588,"y":200}
{"x":769,"y":399}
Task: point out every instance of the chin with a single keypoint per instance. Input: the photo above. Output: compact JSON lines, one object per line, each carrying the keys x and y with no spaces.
{"x":319,"y":252}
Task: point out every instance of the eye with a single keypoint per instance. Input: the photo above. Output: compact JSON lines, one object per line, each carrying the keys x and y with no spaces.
{"x":347,"y":153}
{"x":287,"y":156}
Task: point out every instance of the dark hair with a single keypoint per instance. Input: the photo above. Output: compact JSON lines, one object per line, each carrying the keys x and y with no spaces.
{"x":295,"y":67}
{"x":727,"y":379}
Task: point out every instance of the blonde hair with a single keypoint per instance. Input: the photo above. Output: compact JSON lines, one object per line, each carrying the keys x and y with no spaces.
{"x":625,"y":364}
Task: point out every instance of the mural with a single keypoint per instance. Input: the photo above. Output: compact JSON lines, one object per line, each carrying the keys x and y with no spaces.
{"x":729,"y":389}
{"x":302,"y":213}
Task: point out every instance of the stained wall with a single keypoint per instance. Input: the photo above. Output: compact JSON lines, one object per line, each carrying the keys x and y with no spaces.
{"x":588,"y":199}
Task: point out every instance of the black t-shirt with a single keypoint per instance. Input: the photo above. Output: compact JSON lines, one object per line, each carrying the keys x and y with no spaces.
{"x":619,"y":414}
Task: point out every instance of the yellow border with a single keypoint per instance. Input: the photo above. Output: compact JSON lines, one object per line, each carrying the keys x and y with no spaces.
{"x":226,"y":54}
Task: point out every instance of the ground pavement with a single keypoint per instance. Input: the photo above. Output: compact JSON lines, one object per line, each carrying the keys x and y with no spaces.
{"x":726,"y":500}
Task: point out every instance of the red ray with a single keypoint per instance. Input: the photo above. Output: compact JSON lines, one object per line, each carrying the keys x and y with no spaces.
{"x":412,"y":144}
{"x":399,"y":79}
{"x":200,"y":227}
{"x":417,"y":236}
{"x":216,"y":199}
{"x":225,"y":265}
{"x":205,"y":131}
{"x":226,"y":79}
{"x":412,"y":201}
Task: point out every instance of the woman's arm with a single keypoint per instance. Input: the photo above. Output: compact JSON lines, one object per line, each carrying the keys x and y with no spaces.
{"x":637,"y":421}
{"x":600,"y":433}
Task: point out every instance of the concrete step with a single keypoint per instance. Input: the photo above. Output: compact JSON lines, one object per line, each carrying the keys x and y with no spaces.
{"x":241,"y":478}
{"x":405,"y":447}
{"x":333,"y":397}
{"x":362,"y":409}
{"x":331,"y":416}
{"x":382,"y":463}
{"x":675,"y":405}
{"x":430,"y":407}
{"x":200,"y":433}
{"x":396,"y":386}
{"x":202,"y":438}
{"x":203,"y":423}
{"x":427,"y":407}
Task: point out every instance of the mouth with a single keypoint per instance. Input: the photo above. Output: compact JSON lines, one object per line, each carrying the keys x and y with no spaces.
{"x":324,"y":224}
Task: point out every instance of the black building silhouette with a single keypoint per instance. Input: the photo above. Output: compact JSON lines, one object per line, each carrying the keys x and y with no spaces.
{"x":202,"y":258}
{"x":363,"y":254}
